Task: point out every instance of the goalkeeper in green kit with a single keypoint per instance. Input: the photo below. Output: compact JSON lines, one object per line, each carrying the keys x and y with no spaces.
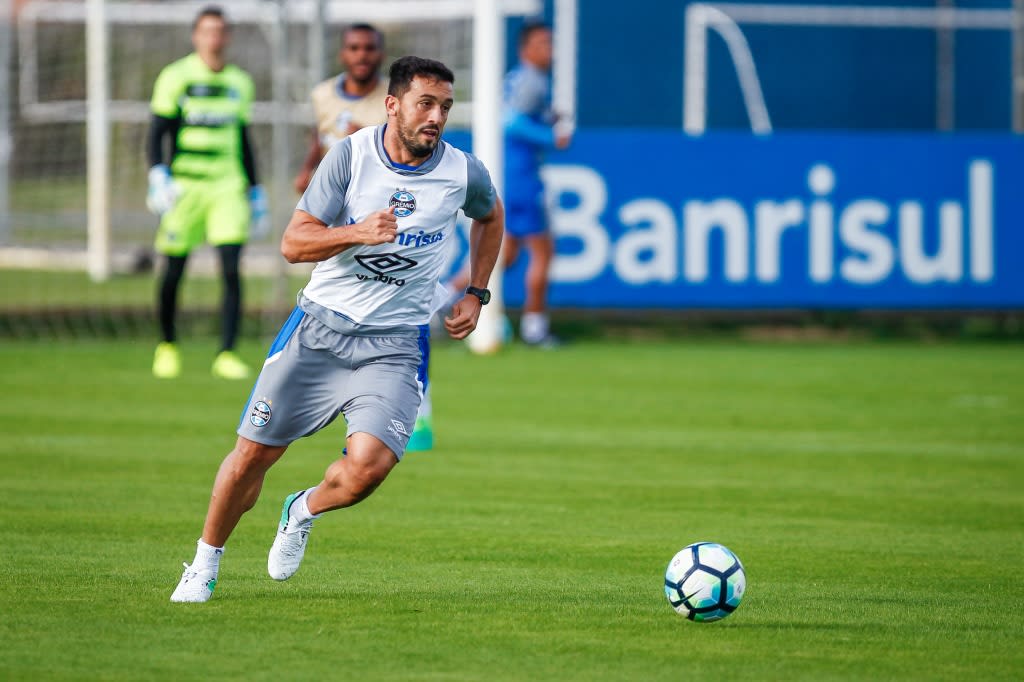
{"x":202,"y":181}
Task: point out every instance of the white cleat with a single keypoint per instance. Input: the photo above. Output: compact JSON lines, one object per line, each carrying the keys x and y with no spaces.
{"x":195,"y":585}
{"x":290,"y":544}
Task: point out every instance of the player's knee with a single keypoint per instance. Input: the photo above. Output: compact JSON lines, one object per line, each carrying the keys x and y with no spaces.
{"x":511,"y":250}
{"x":359,"y":479}
{"x":231,"y":275}
{"x":542,"y":248}
{"x":253,"y":458}
{"x":537,"y":275}
{"x":366,"y":478}
{"x":230,"y":261}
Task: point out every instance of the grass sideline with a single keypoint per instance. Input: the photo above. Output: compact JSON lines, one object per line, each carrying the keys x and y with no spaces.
{"x":46,"y":289}
{"x":873,"y":492}
{"x":50,"y":304}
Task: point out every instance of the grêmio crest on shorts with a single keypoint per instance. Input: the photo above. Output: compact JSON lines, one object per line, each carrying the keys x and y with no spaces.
{"x":392,"y":284}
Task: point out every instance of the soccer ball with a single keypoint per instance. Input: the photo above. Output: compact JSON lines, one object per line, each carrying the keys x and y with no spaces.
{"x":705,"y":582}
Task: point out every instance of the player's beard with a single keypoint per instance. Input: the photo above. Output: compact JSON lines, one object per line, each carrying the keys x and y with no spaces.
{"x":407,"y":136}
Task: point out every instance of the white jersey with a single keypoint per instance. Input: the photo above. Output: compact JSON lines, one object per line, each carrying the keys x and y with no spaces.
{"x":395,"y":284}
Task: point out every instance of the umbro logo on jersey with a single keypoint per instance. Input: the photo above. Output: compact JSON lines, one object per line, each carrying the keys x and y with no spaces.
{"x":384,"y":265}
{"x":404,"y":203}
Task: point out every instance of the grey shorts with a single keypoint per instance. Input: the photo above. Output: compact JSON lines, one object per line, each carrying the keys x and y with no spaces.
{"x":314,"y":373}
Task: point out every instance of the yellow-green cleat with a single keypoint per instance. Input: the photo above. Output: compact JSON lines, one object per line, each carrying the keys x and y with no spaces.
{"x":228,"y":365}
{"x":167,"y":361}
{"x":422,"y":438}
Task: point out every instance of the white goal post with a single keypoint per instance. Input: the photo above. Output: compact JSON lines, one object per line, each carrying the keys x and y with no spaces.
{"x":6,"y":139}
{"x":726,"y":19}
{"x":488,"y":73}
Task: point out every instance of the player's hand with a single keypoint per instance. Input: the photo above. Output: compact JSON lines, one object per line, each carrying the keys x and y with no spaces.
{"x":464,"y":317}
{"x":259,"y":221}
{"x":379,"y":227}
{"x":563,"y":140}
{"x":162,"y":194}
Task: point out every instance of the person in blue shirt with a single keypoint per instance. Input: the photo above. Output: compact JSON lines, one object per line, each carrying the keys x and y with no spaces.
{"x":530,"y":132}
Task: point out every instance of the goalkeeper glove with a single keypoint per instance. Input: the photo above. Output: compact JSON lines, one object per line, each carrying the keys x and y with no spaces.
{"x":259,"y":225}
{"x":162,"y":193}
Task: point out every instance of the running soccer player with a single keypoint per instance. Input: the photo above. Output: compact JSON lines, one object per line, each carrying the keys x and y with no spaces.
{"x":375,"y":218}
{"x":205,"y":188}
{"x":342,"y":105}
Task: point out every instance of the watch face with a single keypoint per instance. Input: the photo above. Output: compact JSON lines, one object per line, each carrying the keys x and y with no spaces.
{"x":483,"y":294}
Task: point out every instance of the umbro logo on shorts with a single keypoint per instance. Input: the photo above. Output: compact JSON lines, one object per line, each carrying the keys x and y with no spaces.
{"x":398,"y":427}
{"x":384,"y":265}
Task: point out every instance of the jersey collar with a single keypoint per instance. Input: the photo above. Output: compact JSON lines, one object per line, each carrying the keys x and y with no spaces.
{"x":400,"y":168}
{"x":339,"y":88}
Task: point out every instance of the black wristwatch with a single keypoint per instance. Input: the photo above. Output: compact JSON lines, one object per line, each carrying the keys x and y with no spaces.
{"x":483,"y":294}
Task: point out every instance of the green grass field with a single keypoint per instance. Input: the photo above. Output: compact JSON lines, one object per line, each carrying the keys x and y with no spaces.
{"x":875,"y":493}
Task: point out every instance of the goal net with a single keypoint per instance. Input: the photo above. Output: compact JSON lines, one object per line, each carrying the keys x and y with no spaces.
{"x":286,"y":47}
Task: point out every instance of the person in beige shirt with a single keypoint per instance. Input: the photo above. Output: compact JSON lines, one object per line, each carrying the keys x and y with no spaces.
{"x":350,"y":101}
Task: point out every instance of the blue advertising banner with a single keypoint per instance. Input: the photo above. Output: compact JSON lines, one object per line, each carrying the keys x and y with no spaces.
{"x":662,"y":220}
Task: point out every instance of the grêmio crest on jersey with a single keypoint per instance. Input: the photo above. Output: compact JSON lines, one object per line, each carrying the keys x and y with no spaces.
{"x":404,"y":203}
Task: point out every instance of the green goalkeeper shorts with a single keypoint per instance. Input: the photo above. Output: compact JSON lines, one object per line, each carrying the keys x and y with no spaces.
{"x":216,"y":212}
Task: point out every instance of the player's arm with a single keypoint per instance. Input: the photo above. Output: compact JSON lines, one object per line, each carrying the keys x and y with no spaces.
{"x":160,"y":127}
{"x":259,"y":208}
{"x":308,"y":239}
{"x":164,"y":123}
{"x":526,"y":93}
{"x":520,"y":126}
{"x":248,"y":158}
{"x":162,"y":195}
{"x":484,"y":245}
{"x":166,"y":116}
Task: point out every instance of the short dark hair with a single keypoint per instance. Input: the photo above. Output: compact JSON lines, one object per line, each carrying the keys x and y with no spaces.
{"x":407,"y":68}
{"x":209,"y":11}
{"x":363,"y":27}
{"x":530,"y":27}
